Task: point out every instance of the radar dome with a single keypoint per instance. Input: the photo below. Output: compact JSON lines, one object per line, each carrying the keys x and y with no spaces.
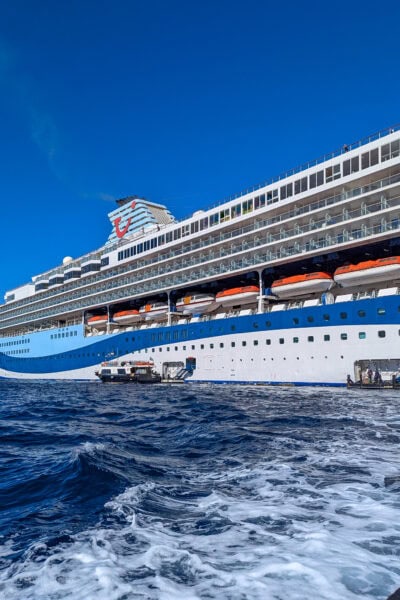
{"x":67,"y":260}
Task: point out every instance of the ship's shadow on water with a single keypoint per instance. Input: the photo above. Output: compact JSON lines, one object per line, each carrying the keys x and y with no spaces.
{"x":228,"y":492}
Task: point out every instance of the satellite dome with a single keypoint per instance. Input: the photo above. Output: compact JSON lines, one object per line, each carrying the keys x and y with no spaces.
{"x":67,"y":260}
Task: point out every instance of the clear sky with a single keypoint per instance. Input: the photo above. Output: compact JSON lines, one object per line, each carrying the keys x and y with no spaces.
{"x":179,"y":101}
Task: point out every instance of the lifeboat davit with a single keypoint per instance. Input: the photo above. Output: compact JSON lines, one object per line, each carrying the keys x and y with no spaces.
{"x":127,"y":316}
{"x":97,"y":321}
{"x":196,"y":303}
{"x":154,"y":310}
{"x":300,"y":285}
{"x":369,"y":271}
{"x":238,"y":295}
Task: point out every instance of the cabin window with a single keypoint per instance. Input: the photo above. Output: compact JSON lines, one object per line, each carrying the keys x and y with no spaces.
{"x":343,"y":336}
{"x":268,"y":323}
{"x":268,"y":342}
{"x":327,"y":337}
{"x":211,"y":346}
{"x":247,"y":206}
{"x":295,"y":320}
{"x":390,"y":150}
{"x":201,"y":346}
{"x":281,"y":340}
{"x":295,"y":340}
{"x":233,"y":344}
{"x":310,"y":338}
{"x":259,"y":201}
{"x":244,"y":343}
{"x":326,"y":317}
{"x":255,"y":342}
{"x":361,"y":313}
{"x":310,"y":318}
{"x":343,"y":315}
{"x":351,"y":166}
{"x":381,"y":311}
{"x":332,"y":173}
{"x":369,"y":159}
{"x":381,"y":333}
{"x":362,"y":335}
{"x":221,"y":345}
{"x":272,"y":196}
{"x":286,"y":191}
{"x":224,"y":215}
{"x":236,"y":211}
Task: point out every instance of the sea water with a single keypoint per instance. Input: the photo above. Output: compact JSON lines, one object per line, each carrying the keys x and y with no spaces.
{"x":120,"y":492}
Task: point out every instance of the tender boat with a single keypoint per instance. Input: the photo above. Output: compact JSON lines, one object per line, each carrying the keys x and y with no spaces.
{"x":97,"y":321}
{"x":128,"y":372}
{"x":154,"y":310}
{"x":238,"y":295}
{"x":196,"y":303}
{"x":369,"y":271}
{"x":298,"y":285}
{"x":127,"y":316}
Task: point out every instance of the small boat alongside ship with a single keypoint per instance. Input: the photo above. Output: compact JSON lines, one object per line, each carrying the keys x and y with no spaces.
{"x":128,"y":372}
{"x":154,"y":310}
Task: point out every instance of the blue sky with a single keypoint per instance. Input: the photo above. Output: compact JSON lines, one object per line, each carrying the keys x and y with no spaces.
{"x":182,"y":102}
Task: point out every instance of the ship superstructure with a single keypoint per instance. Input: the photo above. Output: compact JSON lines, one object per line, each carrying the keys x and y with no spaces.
{"x":170,"y":281}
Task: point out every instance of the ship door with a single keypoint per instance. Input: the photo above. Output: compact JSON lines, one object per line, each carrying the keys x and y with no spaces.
{"x":190,"y":364}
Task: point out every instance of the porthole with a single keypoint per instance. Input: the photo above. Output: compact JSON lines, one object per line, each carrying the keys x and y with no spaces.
{"x":326,"y":317}
{"x":310,"y":338}
{"x":343,"y":336}
{"x":295,"y":320}
{"x":310,"y":319}
{"x":362,"y":335}
{"x":381,"y":333}
{"x":361,"y":313}
{"x":343,"y":315}
{"x":327,"y":337}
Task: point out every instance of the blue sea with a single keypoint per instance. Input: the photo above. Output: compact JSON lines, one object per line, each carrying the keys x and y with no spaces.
{"x":124,"y":492}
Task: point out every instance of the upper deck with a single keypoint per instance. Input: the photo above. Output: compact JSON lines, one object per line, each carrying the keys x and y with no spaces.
{"x":343,"y":201}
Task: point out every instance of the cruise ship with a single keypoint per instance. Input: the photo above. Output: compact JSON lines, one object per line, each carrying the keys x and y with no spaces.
{"x":293,"y":282}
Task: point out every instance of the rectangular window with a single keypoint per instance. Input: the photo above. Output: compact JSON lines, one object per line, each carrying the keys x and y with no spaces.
{"x":177,"y":234}
{"x":343,"y":336}
{"x":244,"y":343}
{"x":381,"y":334}
{"x":310,"y":338}
{"x":203,"y":223}
{"x":255,"y":342}
{"x":295,"y":340}
{"x":236,"y":211}
{"x":259,"y":201}
{"x":224,"y":215}
{"x":362,"y":335}
{"x":327,"y":337}
{"x":247,"y":206}
{"x":214,"y":219}
{"x":194,"y":227}
{"x":281,"y":340}
{"x":268,"y":342}
{"x":233,"y":344}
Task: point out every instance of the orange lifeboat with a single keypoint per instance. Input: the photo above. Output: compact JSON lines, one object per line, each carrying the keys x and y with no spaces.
{"x":238,"y":295}
{"x":300,"y":285}
{"x":127,"y":316}
{"x":369,"y":271}
{"x":197,"y":302}
{"x":97,"y":321}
